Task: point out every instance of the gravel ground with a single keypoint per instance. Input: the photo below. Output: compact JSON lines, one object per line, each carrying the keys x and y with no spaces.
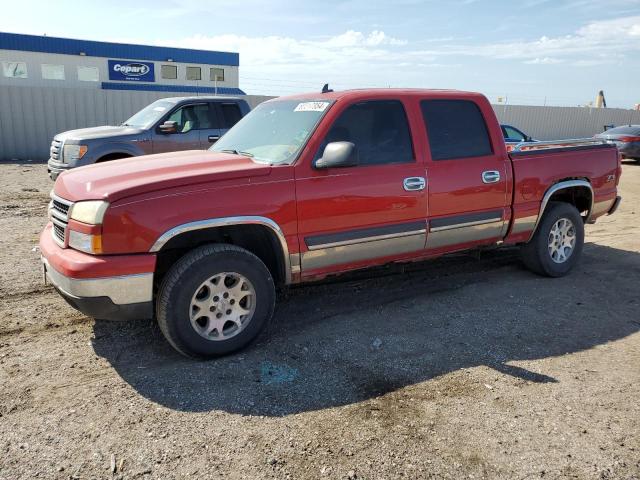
{"x":464,"y":367}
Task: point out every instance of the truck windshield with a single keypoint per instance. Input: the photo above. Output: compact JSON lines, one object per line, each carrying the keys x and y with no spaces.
{"x":274,"y":132}
{"x":149,"y":115}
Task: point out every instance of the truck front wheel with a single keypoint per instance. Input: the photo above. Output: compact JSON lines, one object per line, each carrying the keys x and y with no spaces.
{"x":557,"y":244}
{"x":214,"y":300}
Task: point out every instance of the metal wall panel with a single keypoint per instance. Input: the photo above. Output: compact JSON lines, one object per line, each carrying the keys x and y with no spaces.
{"x":552,"y":123}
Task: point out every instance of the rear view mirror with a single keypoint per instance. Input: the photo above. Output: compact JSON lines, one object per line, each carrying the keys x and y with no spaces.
{"x":169,"y":127}
{"x":338,"y":155}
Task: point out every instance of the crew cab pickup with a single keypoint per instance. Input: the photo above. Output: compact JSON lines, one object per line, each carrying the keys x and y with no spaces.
{"x":306,"y":187}
{"x":166,"y":125}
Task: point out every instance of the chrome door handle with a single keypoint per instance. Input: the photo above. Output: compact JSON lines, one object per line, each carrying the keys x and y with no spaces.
{"x":490,"y":176}
{"x":412,"y":184}
{"x":214,"y":138}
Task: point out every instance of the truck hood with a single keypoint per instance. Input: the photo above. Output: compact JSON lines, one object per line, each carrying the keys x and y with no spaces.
{"x":118,"y":179}
{"x":96,"y":133}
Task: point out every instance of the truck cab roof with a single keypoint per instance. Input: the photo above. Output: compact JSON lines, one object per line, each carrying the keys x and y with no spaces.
{"x":202,"y":98}
{"x":383,"y":93}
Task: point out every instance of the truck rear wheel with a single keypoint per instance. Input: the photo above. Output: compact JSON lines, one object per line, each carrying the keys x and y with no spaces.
{"x":557,"y":244}
{"x":215,"y":300}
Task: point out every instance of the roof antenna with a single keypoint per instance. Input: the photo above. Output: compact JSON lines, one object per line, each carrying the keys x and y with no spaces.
{"x":326,"y":88}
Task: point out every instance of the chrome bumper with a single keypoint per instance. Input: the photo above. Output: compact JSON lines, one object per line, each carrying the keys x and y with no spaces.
{"x":122,"y":290}
{"x":54,"y":168}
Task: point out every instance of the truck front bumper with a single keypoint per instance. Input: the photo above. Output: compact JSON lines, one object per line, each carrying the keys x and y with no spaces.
{"x":55,"y":168}
{"x":115,"y":297}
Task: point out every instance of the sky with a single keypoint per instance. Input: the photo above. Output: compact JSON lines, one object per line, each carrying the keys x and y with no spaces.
{"x":531,"y":52}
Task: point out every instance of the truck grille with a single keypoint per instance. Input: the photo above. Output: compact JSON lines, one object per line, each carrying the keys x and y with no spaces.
{"x":56,"y":151}
{"x":59,"y":233}
{"x":58,"y":206}
{"x":59,"y":216}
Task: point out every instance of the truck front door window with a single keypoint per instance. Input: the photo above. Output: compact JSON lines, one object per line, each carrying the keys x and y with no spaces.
{"x":192,"y":117}
{"x":379,"y":130}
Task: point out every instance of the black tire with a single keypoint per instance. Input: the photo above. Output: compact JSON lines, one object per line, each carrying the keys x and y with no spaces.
{"x":535,"y":254}
{"x":184,"y":279}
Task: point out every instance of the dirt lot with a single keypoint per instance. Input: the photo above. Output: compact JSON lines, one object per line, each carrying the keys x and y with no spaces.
{"x":466,"y":367}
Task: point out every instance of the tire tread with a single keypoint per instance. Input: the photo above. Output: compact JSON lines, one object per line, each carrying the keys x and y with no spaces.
{"x":172,"y":278}
{"x":532,"y":253}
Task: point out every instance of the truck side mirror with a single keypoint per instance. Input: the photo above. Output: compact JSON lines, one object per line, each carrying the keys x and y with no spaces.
{"x":338,"y":155}
{"x":169,"y":127}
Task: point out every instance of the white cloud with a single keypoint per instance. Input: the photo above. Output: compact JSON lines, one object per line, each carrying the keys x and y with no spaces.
{"x":285,"y":64}
{"x":594,"y":39}
{"x":344,"y":49}
{"x":598,"y":42}
{"x":352,"y":38}
{"x":543,"y":61}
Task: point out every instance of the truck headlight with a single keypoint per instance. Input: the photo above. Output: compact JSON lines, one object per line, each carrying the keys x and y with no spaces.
{"x":85,"y":242}
{"x":73,"y":152}
{"x":91,"y":211}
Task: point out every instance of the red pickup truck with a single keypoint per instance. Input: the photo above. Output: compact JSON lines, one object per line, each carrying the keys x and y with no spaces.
{"x":309,"y":186}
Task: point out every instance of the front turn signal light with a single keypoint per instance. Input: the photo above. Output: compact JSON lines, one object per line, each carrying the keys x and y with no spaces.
{"x":85,"y":242}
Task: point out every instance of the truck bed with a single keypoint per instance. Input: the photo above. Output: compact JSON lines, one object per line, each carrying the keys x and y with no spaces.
{"x":538,"y":166}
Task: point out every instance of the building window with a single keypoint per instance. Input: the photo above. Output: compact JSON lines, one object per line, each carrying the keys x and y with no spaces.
{"x":52,"y":72}
{"x":193,"y":73}
{"x":216,"y":74}
{"x":88,"y":74}
{"x":14,"y":69}
{"x":169,"y":71}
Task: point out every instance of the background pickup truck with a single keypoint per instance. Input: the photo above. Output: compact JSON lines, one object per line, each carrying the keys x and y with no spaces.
{"x":167,"y":125}
{"x":310,"y":186}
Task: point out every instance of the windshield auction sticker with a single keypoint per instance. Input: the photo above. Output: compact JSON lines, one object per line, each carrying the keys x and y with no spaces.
{"x":311,"y":107}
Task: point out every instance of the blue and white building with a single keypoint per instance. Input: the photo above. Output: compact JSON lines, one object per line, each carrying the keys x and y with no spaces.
{"x":50,"y":85}
{"x":42,"y":61}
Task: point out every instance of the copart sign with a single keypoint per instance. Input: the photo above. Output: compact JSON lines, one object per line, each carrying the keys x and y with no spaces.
{"x":128,"y":71}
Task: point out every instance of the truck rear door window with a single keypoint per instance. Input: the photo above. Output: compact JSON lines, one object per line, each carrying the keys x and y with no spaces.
{"x":379,"y":130}
{"x":456,"y":129}
{"x":230,"y":114}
